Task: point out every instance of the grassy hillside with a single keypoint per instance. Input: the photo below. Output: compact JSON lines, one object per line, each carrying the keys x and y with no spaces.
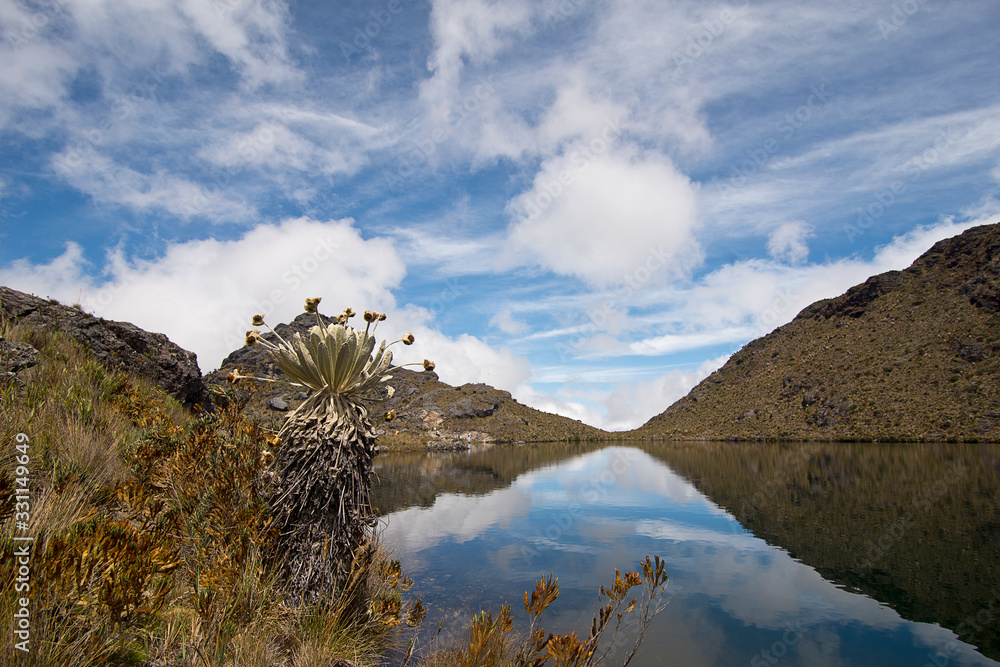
{"x":908,"y":355}
{"x":151,"y":534}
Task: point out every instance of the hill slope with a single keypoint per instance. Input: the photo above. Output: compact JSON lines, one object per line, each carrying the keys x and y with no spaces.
{"x":907,"y":355}
{"x":428,"y":411}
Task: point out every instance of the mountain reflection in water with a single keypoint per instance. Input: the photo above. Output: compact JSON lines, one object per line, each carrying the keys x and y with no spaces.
{"x":753,"y":536}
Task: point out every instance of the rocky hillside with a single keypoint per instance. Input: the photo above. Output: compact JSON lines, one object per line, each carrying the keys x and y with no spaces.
{"x":428,"y":412}
{"x":908,"y":355}
{"x":114,"y":344}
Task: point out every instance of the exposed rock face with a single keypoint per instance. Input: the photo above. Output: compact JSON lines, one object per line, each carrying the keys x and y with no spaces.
{"x":424,"y":406}
{"x":15,"y":357}
{"x":115,"y":344}
{"x":907,"y":355}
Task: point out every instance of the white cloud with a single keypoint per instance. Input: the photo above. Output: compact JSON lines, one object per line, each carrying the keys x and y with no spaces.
{"x":285,"y":141}
{"x":505,"y":321}
{"x":110,"y":182}
{"x":577,"y":114}
{"x":33,"y":76}
{"x":605,"y":215}
{"x":632,"y":404}
{"x":63,"y":278}
{"x":467,"y":29}
{"x":43,"y":48}
{"x":202,"y":294}
{"x":558,"y":404}
{"x":788,"y":242}
{"x":745,"y":300}
{"x":460,"y":359}
{"x":251,"y":33}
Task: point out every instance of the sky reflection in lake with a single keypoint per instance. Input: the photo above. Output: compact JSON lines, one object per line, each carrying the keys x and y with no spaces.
{"x":734,"y":599}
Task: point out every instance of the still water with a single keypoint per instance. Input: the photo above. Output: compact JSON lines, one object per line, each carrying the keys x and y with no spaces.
{"x":792,"y":554}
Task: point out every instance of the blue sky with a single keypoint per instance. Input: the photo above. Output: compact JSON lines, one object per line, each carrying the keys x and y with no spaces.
{"x":589,"y":204}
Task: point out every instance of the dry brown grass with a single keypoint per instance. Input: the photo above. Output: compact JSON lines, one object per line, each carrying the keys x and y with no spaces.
{"x":153,"y":540}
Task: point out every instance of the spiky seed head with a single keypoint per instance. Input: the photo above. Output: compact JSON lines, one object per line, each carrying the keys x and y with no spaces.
{"x":258,"y":320}
{"x":428,"y":365}
{"x":312,"y":304}
{"x":408,"y":339}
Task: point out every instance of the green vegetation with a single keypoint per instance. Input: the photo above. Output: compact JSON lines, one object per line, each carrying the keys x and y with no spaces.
{"x":908,"y":355}
{"x":153,"y":543}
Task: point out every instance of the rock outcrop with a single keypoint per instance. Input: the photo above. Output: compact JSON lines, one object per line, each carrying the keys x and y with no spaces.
{"x":907,"y":355}
{"x":115,"y":344}
{"x":15,"y":357}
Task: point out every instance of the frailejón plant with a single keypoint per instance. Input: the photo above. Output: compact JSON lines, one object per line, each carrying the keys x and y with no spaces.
{"x":324,"y":461}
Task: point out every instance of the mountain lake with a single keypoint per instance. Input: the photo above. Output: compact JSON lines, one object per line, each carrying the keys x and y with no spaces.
{"x":777,"y":554}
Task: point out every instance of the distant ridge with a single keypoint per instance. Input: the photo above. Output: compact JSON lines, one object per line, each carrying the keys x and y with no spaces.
{"x":908,"y":355}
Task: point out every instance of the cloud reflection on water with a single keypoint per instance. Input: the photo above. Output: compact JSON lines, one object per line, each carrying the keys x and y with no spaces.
{"x":732,"y":593}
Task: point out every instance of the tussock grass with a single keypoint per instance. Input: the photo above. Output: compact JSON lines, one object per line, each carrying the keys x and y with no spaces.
{"x":153,"y":540}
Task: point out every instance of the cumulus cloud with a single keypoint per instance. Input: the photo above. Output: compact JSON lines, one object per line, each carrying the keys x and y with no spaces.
{"x":464,"y":358}
{"x":559,"y":403}
{"x":606,"y":214}
{"x":787,"y":243}
{"x":632,"y":404}
{"x":203,"y":293}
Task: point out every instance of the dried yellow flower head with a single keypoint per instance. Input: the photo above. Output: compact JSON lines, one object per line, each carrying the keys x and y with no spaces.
{"x":233,"y":377}
{"x":389,"y":416}
{"x":311,"y":304}
{"x":258,"y":320}
{"x":253,"y":337}
{"x":349,"y":313}
{"x":381,"y":316}
{"x":408,"y":339}
{"x":370,"y":316}
{"x":428,"y":365}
